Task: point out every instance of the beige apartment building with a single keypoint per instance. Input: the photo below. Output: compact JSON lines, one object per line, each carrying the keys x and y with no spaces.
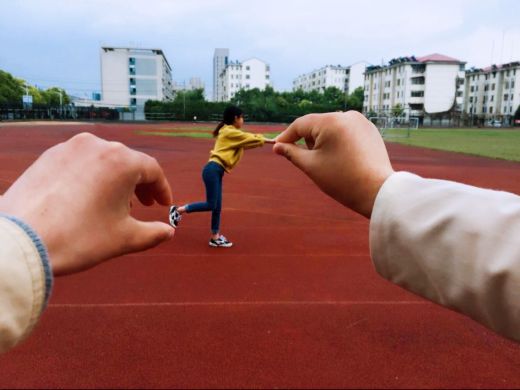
{"x":422,"y":86}
{"x":492,"y":93}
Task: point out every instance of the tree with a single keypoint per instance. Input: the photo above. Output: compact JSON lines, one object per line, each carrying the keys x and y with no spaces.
{"x":355,"y":100}
{"x":11,"y":89}
{"x":397,"y":111}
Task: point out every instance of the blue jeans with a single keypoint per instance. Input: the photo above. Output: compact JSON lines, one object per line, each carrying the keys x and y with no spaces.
{"x":212,"y":175}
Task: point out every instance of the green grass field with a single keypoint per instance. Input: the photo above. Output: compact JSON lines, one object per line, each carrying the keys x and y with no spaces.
{"x":494,"y":143}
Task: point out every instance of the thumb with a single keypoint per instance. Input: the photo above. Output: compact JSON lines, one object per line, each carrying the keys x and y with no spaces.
{"x":298,"y":156}
{"x":145,"y":235}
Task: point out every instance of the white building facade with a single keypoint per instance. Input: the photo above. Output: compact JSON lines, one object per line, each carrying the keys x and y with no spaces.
{"x":345,"y":78}
{"x":249,"y":74}
{"x":220,"y":61}
{"x":422,"y":86}
{"x":493,"y":93}
{"x":130,"y":77}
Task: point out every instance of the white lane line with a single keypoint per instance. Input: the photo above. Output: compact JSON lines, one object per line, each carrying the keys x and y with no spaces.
{"x":238,"y":303}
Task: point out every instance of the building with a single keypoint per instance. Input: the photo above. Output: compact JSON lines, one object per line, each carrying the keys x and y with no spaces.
{"x":130,"y":77}
{"x":345,"y":78}
{"x":422,"y":86}
{"x":249,"y":74}
{"x":492,"y":93}
{"x":220,"y":61}
{"x":194,"y":83}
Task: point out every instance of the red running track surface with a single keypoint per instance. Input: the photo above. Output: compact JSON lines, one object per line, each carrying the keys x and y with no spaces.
{"x":296,"y":303}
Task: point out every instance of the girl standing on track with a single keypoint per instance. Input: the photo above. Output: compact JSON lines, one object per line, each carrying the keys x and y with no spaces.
{"x":227,"y":152}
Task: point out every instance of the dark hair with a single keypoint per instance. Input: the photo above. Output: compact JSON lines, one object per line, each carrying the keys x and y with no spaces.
{"x":230,"y":114}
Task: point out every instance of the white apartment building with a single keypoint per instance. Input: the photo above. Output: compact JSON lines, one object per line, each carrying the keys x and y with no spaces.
{"x":493,"y":92}
{"x":249,"y":74}
{"x":130,"y":77}
{"x":345,"y":78}
{"x":220,"y":61}
{"x":424,"y":85}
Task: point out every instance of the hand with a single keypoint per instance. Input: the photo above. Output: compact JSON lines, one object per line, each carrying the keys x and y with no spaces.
{"x":77,"y":197}
{"x":346,"y":156}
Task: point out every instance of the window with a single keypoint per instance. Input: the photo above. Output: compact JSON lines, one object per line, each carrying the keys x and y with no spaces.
{"x":131,"y":61}
{"x":247,"y":67}
{"x":267,"y":77}
{"x":471,"y":99}
{"x":492,"y":97}
{"x":417,"y":93}
{"x":506,"y":97}
{"x":247,"y":76}
{"x":491,"y":110}
{"x":472,"y":88}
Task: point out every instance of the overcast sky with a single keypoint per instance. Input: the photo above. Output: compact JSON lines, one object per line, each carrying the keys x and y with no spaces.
{"x":56,"y":42}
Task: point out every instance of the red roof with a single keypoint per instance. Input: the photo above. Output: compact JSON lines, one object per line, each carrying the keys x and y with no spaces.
{"x":436,"y":57}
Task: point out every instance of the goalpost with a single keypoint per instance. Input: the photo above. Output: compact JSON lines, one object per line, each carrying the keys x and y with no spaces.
{"x":395,"y":127}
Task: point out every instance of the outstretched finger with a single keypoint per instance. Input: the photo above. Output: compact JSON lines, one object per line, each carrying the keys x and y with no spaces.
{"x":300,"y":128}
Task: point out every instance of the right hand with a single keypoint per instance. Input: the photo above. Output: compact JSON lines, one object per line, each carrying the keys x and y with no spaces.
{"x":346,"y":156}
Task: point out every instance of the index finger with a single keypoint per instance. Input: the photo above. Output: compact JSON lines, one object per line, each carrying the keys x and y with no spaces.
{"x":300,"y":128}
{"x":151,"y":180}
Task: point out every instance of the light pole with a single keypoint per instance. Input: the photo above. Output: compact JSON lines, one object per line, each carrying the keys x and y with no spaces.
{"x":184,"y":99}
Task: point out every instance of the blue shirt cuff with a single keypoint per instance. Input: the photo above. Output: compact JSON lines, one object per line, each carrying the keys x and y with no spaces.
{"x":42,"y":250}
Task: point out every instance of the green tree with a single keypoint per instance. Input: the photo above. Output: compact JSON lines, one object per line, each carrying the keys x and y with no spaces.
{"x":51,"y":97}
{"x":397,"y":110}
{"x":355,"y":100}
{"x":11,"y":89}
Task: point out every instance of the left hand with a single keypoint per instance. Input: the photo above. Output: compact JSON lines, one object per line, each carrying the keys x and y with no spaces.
{"x":77,"y":197}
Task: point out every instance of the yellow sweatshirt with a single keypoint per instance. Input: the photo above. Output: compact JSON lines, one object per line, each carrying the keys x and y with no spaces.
{"x":230,"y":145}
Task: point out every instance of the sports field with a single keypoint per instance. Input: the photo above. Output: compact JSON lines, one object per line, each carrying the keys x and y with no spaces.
{"x":294,"y":304}
{"x":494,"y":143}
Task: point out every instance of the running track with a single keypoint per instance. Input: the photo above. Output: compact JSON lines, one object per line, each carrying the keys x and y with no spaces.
{"x":296,"y":303}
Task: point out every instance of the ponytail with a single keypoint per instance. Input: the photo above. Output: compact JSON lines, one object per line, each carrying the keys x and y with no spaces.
{"x":229,"y":116}
{"x":217,"y":129}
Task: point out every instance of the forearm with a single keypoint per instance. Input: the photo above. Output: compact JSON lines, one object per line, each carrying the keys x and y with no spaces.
{"x":25,"y":280}
{"x":454,"y":244}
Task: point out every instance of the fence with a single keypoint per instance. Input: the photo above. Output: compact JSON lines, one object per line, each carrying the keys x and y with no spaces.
{"x":58,"y":113}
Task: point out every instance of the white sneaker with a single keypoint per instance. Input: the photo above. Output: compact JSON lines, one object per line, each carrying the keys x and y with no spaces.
{"x":220,"y":242}
{"x":175,"y":216}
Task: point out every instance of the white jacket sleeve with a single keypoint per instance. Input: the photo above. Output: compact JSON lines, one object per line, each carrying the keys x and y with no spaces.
{"x":25,"y":281}
{"x":454,"y":244}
